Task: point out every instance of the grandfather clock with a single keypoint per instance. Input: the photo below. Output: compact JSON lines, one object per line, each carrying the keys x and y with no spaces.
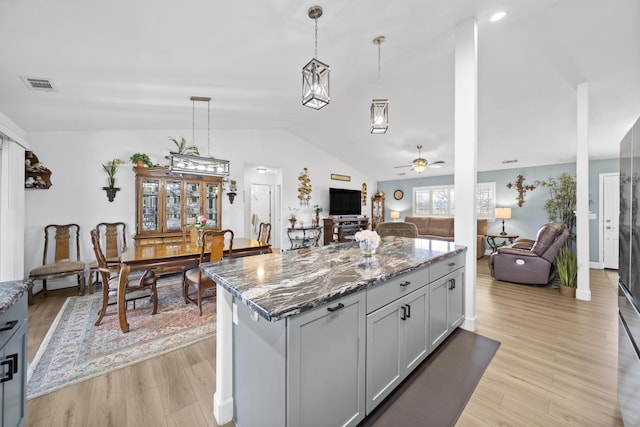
{"x":377,"y":211}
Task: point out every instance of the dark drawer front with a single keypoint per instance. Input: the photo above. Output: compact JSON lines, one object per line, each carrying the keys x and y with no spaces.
{"x":12,"y":319}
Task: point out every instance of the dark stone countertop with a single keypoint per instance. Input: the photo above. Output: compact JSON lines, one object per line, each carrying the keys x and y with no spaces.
{"x":283,"y":284}
{"x":10,"y":293}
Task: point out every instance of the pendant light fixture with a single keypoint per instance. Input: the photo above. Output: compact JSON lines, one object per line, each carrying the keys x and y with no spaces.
{"x":199,"y":165}
{"x":315,"y":75}
{"x":379,"y":107}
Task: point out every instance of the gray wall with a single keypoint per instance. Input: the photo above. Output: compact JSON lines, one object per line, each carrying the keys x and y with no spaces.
{"x":525,"y":220}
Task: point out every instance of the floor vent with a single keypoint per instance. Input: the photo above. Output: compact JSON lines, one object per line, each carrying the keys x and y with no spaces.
{"x":44,"y":85}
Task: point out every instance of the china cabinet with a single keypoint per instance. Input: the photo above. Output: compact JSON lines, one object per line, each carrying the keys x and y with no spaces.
{"x":377,"y":211}
{"x":166,"y":202}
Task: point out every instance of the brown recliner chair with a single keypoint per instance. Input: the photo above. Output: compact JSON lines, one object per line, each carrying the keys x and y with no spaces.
{"x":530,"y":261}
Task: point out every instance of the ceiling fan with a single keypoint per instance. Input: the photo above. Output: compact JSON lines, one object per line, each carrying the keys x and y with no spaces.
{"x":420,"y":164}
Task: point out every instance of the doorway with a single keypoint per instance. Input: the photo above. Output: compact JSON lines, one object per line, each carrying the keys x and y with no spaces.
{"x":260,"y":206}
{"x":609,"y":214}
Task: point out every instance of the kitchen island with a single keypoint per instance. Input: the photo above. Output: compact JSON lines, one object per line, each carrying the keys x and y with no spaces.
{"x":323,"y":335}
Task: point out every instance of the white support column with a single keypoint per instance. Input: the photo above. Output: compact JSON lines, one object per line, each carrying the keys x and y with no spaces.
{"x":223,"y":396}
{"x":466,"y":141}
{"x":582,"y":193}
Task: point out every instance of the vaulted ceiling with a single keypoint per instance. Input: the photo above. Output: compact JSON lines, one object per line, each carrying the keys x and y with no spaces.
{"x":126,"y":65}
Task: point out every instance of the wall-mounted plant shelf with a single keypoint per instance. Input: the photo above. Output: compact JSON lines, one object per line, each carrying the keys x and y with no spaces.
{"x":36,"y":175}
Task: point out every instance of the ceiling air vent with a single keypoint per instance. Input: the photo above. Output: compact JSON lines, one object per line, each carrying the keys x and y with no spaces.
{"x":44,"y":85}
{"x":506,"y":162}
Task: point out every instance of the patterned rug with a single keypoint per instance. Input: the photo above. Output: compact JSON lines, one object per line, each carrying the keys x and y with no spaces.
{"x":75,"y":350}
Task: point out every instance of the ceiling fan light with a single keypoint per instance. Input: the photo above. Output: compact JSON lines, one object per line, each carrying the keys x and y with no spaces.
{"x":419,"y":165}
{"x":379,"y":116}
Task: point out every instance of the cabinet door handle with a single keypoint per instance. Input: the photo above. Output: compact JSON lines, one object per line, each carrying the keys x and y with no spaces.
{"x":405,"y":283}
{"x":452,"y":284}
{"x":9,"y":326}
{"x":336,"y":308}
{"x":12,"y":364}
{"x":408,"y":311}
{"x":404,"y":313}
{"x":451,"y":264}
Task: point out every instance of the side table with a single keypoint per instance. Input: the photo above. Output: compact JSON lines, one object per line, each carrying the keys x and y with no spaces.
{"x":304,"y":237}
{"x":491,"y":240}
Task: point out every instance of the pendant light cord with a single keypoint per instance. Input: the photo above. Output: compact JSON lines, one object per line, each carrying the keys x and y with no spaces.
{"x":379,"y":78}
{"x":315,"y":55}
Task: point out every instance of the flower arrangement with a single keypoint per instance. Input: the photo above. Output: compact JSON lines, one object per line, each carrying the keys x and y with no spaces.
{"x":317,"y":209}
{"x":110,"y":168}
{"x":368,"y":236}
{"x":198,"y":222}
{"x":292,"y":213}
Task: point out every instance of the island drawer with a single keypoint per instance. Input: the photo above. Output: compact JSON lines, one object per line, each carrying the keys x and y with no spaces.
{"x":384,"y":293}
{"x":442,"y":268}
{"x":12,"y":319}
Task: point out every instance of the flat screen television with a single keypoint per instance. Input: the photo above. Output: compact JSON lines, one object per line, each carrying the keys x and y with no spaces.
{"x":344,"y":202}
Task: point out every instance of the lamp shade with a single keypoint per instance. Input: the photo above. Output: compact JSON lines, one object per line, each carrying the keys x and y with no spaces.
{"x":503,"y":213}
{"x":395,"y":215}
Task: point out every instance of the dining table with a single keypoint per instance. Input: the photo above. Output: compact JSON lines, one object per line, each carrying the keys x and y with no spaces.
{"x":174,"y":254}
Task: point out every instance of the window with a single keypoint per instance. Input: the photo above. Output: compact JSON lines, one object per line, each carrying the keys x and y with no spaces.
{"x":440,"y":200}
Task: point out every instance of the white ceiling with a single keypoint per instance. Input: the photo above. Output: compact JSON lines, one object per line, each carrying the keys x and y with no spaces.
{"x":126,"y":65}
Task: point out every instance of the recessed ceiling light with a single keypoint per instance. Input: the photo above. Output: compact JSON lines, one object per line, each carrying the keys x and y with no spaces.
{"x":498,"y":16}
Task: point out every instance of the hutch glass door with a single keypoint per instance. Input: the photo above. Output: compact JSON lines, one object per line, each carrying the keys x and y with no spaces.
{"x":174,"y":206}
{"x":212,"y":205}
{"x":150,"y":204}
{"x":193,"y":200}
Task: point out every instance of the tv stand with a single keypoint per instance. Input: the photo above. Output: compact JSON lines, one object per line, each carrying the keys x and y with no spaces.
{"x":338,"y":229}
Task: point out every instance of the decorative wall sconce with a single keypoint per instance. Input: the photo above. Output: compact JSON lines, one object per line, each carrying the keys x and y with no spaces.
{"x":315,"y":75}
{"x":232,"y":190}
{"x":364,"y":194}
{"x":304,"y":187}
{"x":110,"y":168}
{"x":521,"y":189}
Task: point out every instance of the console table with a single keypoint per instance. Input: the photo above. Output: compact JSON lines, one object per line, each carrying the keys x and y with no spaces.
{"x":491,"y":240}
{"x":304,"y":237}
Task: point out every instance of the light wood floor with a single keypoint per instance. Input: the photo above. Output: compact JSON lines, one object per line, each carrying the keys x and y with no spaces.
{"x":556,"y":367}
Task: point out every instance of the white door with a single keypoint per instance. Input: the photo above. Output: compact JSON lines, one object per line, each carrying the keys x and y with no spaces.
{"x":260,"y":207}
{"x":610,"y":216}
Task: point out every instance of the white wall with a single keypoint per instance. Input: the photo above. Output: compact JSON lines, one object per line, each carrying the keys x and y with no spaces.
{"x":76,"y":194}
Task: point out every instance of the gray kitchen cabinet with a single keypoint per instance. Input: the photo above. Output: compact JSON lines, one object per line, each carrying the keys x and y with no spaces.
{"x":326,"y":368}
{"x":446,"y":301}
{"x":13,"y":364}
{"x":397,"y":341}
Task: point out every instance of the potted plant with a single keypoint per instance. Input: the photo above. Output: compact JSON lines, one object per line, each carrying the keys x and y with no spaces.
{"x":182,"y":147}
{"x":141,"y":160}
{"x":562,"y":204}
{"x":110,"y":168}
{"x":567,"y":268}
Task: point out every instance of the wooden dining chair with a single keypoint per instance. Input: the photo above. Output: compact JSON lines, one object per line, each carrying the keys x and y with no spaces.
{"x":113,"y":239}
{"x":212,"y":250}
{"x":60,"y":259}
{"x":264,"y":232}
{"x":139,"y":284}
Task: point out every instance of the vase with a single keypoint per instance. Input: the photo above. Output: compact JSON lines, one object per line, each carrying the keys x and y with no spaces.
{"x":293,"y":222}
{"x":367,"y":249}
{"x":199,"y":238}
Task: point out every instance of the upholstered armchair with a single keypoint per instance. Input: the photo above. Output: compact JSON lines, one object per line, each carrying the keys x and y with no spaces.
{"x":530,"y":261}
{"x":400,"y":229}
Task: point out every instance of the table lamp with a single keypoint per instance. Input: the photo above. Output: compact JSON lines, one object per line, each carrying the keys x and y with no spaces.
{"x":395,"y":215}
{"x":503,"y":213}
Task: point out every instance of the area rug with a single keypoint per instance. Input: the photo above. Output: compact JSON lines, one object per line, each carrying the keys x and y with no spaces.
{"x":438,"y":390}
{"x":75,"y":350}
